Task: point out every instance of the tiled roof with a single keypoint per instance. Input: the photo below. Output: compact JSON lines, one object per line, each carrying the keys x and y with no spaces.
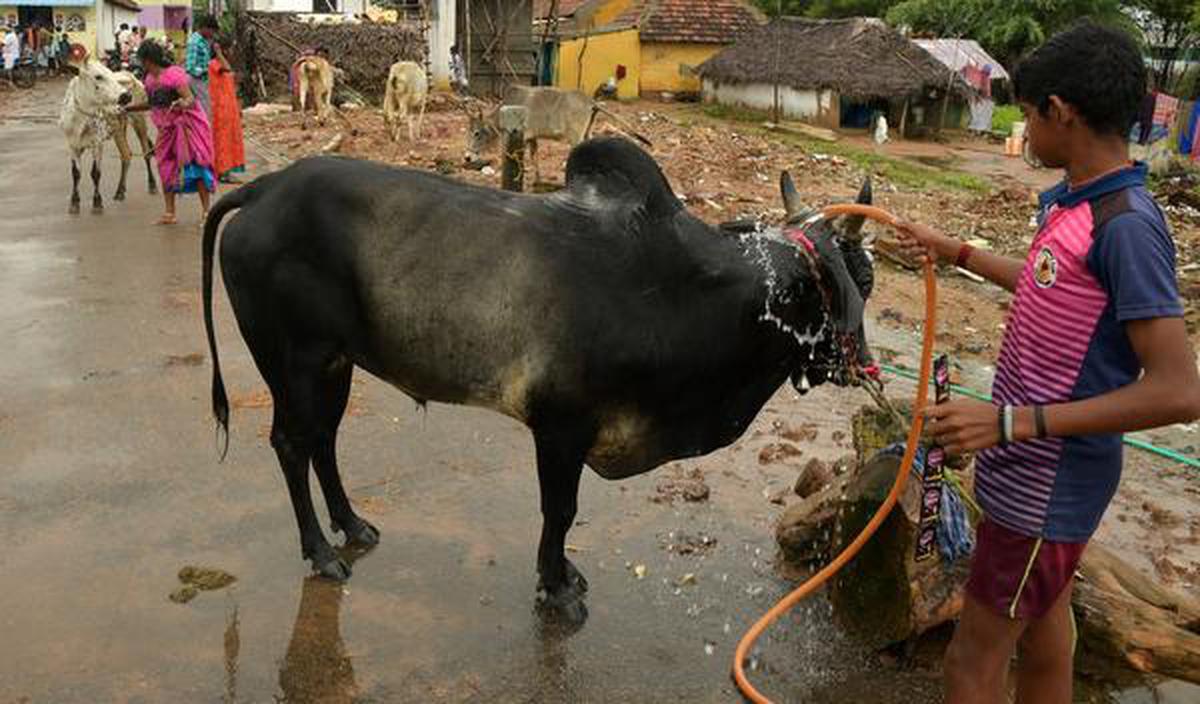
{"x":692,"y":21}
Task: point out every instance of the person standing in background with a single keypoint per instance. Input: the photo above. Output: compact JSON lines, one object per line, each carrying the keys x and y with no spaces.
{"x":229,"y":151}
{"x":199,"y":54}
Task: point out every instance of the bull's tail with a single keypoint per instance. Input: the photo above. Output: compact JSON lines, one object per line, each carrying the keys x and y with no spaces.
{"x":220,"y":402}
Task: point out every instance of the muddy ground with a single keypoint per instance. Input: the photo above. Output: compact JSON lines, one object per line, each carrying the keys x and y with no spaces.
{"x":111,"y":487}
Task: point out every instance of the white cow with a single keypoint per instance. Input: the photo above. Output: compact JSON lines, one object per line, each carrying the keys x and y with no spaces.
{"x":93,"y":100}
{"x":404,"y":98}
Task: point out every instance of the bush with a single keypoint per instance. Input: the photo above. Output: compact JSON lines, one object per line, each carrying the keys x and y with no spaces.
{"x":1004,"y":117}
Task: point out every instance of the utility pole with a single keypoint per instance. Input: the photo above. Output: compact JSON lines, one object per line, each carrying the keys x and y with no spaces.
{"x":776,"y":116}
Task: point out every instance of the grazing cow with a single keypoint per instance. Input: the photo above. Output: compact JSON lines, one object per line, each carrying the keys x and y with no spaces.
{"x":314,"y":79}
{"x":554,"y":113}
{"x":92,"y":102}
{"x":404,"y":98}
{"x":623,"y":331}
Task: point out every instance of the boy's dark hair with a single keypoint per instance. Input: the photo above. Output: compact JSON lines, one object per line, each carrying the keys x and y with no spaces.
{"x":154,"y":53}
{"x":1096,"y":69}
{"x":207,"y":22}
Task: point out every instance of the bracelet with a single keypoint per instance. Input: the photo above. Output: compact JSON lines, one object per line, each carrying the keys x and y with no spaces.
{"x":1008,"y":424}
{"x":1039,"y":421}
{"x":964,"y":253}
{"x":1000,"y":424}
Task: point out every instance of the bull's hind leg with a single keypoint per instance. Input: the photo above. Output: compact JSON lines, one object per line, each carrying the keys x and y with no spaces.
{"x":560,"y":456}
{"x":139,"y":128}
{"x":334,"y":392}
{"x":97,"y":199}
{"x":294,"y":435}
{"x":121,"y":139}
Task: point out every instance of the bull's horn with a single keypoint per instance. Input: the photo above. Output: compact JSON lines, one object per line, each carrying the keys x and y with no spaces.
{"x":853,"y":224}
{"x":791,"y":197}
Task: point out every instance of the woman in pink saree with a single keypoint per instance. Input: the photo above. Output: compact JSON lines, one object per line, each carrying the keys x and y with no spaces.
{"x":185,"y":144}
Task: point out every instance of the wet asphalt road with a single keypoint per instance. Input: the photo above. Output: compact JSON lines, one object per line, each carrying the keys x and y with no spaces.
{"x":109,"y":484}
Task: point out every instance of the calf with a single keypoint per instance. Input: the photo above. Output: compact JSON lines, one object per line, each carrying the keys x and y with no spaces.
{"x":404,"y":98}
{"x":554,"y":113}
{"x":314,"y":78}
{"x":92,"y":103}
{"x":620,"y":329}
{"x":119,"y":126}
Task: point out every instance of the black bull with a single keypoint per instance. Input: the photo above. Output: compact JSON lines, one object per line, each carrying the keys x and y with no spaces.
{"x":623,"y":331}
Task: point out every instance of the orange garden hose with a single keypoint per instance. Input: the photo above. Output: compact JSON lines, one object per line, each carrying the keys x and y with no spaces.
{"x":910,"y":450}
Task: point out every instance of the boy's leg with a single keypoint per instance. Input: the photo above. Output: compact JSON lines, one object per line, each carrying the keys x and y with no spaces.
{"x":976,"y":666}
{"x":1047,"y":649}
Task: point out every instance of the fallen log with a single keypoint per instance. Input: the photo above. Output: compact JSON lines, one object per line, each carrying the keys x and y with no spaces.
{"x":885,"y":597}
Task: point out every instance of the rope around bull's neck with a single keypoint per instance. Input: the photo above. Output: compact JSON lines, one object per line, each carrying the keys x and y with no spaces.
{"x":910,"y":450}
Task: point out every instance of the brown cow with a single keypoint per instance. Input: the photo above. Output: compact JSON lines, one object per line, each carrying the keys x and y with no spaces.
{"x":314,"y":79}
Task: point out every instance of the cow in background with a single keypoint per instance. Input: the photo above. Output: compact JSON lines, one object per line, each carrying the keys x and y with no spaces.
{"x":314,"y":76}
{"x":93,"y":101}
{"x":119,"y":126}
{"x":404,"y":98}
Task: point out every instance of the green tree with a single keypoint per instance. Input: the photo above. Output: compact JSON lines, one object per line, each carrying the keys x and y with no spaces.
{"x":1171,"y":29}
{"x":1007,"y":28}
{"x":826,"y":8}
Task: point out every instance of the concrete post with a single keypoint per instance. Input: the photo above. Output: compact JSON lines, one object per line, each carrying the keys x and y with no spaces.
{"x":512,"y":131}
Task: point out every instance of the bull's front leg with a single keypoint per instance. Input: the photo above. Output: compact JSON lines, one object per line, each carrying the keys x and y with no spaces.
{"x":560,"y":457}
{"x":74,"y":209}
{"x":97,"y":199}
{"x":139,"y":128}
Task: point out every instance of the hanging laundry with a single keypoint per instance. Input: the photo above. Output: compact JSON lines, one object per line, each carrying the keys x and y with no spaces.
{"x":1187,"y":136}
{"x":1165,"y":107}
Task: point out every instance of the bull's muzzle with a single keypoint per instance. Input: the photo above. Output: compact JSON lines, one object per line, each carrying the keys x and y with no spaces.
{"x":125,"y":98}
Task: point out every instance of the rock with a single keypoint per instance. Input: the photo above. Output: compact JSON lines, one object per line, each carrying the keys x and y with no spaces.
{"x":205,"y":578}
{"x":183,"y":594}
{"x":814,"y":477}
{"x":688,"y":486}
{"x":776,"y":452}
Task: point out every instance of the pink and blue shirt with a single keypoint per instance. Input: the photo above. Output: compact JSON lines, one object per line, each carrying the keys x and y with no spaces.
{"x":1103,"y":256}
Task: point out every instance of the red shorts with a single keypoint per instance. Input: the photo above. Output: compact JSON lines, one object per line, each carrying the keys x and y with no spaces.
{"x":1018,"y":576}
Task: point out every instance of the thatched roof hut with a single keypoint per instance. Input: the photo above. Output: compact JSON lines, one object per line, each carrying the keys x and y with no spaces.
{"x":862,"y":59}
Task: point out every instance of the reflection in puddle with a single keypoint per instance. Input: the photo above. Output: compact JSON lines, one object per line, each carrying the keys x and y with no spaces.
{"x":316,"y":667}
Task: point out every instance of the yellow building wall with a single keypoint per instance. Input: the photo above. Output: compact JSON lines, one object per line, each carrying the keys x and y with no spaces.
{"x":609,"y":11}
{"x":87,"y":37}
{"x":661,"y":65}
{"x":602,"y":55}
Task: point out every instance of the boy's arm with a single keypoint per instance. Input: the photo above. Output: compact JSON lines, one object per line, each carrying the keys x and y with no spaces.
{"x":921,"y":241}
{"x":1168,"y":392}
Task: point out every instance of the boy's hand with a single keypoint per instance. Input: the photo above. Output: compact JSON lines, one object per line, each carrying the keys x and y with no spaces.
{"x":923,"y":243}
{"x":964,"y":425}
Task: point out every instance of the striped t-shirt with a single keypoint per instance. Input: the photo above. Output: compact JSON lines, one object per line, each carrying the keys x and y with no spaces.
{"x":1103,"y":256}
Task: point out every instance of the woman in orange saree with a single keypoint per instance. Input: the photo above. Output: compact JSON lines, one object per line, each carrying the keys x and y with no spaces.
{"x":230,"y":151}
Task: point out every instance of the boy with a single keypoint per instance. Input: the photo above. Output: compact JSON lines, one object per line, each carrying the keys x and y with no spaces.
{"x":1094,"y":346}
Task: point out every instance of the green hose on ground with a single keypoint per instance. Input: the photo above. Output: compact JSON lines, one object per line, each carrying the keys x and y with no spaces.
{"x":1132,"y":442}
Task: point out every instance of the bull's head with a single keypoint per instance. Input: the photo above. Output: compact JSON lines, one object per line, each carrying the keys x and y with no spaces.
{"x":97,"y":89}
{"x":839,"y":268}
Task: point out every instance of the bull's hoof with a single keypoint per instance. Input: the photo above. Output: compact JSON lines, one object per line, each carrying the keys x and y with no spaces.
{"x":119,"y":196}
{"x":576,"y":578}
{"x":153,"y":190}
{"x":329,"y":565}
{"x":359,"y":533}
{"x":73,"y":209}
{"x":97,"y":208}
{"x":563,"y":606}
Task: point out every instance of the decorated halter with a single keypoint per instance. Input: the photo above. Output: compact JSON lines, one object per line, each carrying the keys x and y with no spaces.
{"x":846,"y":342}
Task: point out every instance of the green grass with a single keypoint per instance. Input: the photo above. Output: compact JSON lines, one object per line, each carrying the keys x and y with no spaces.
{"x":1004,"y":117}
{"x":900,"y":171}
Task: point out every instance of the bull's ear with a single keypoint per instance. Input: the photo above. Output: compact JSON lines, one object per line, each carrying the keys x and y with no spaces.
{"x":853,"y":224}
{"x":791,"y":197}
